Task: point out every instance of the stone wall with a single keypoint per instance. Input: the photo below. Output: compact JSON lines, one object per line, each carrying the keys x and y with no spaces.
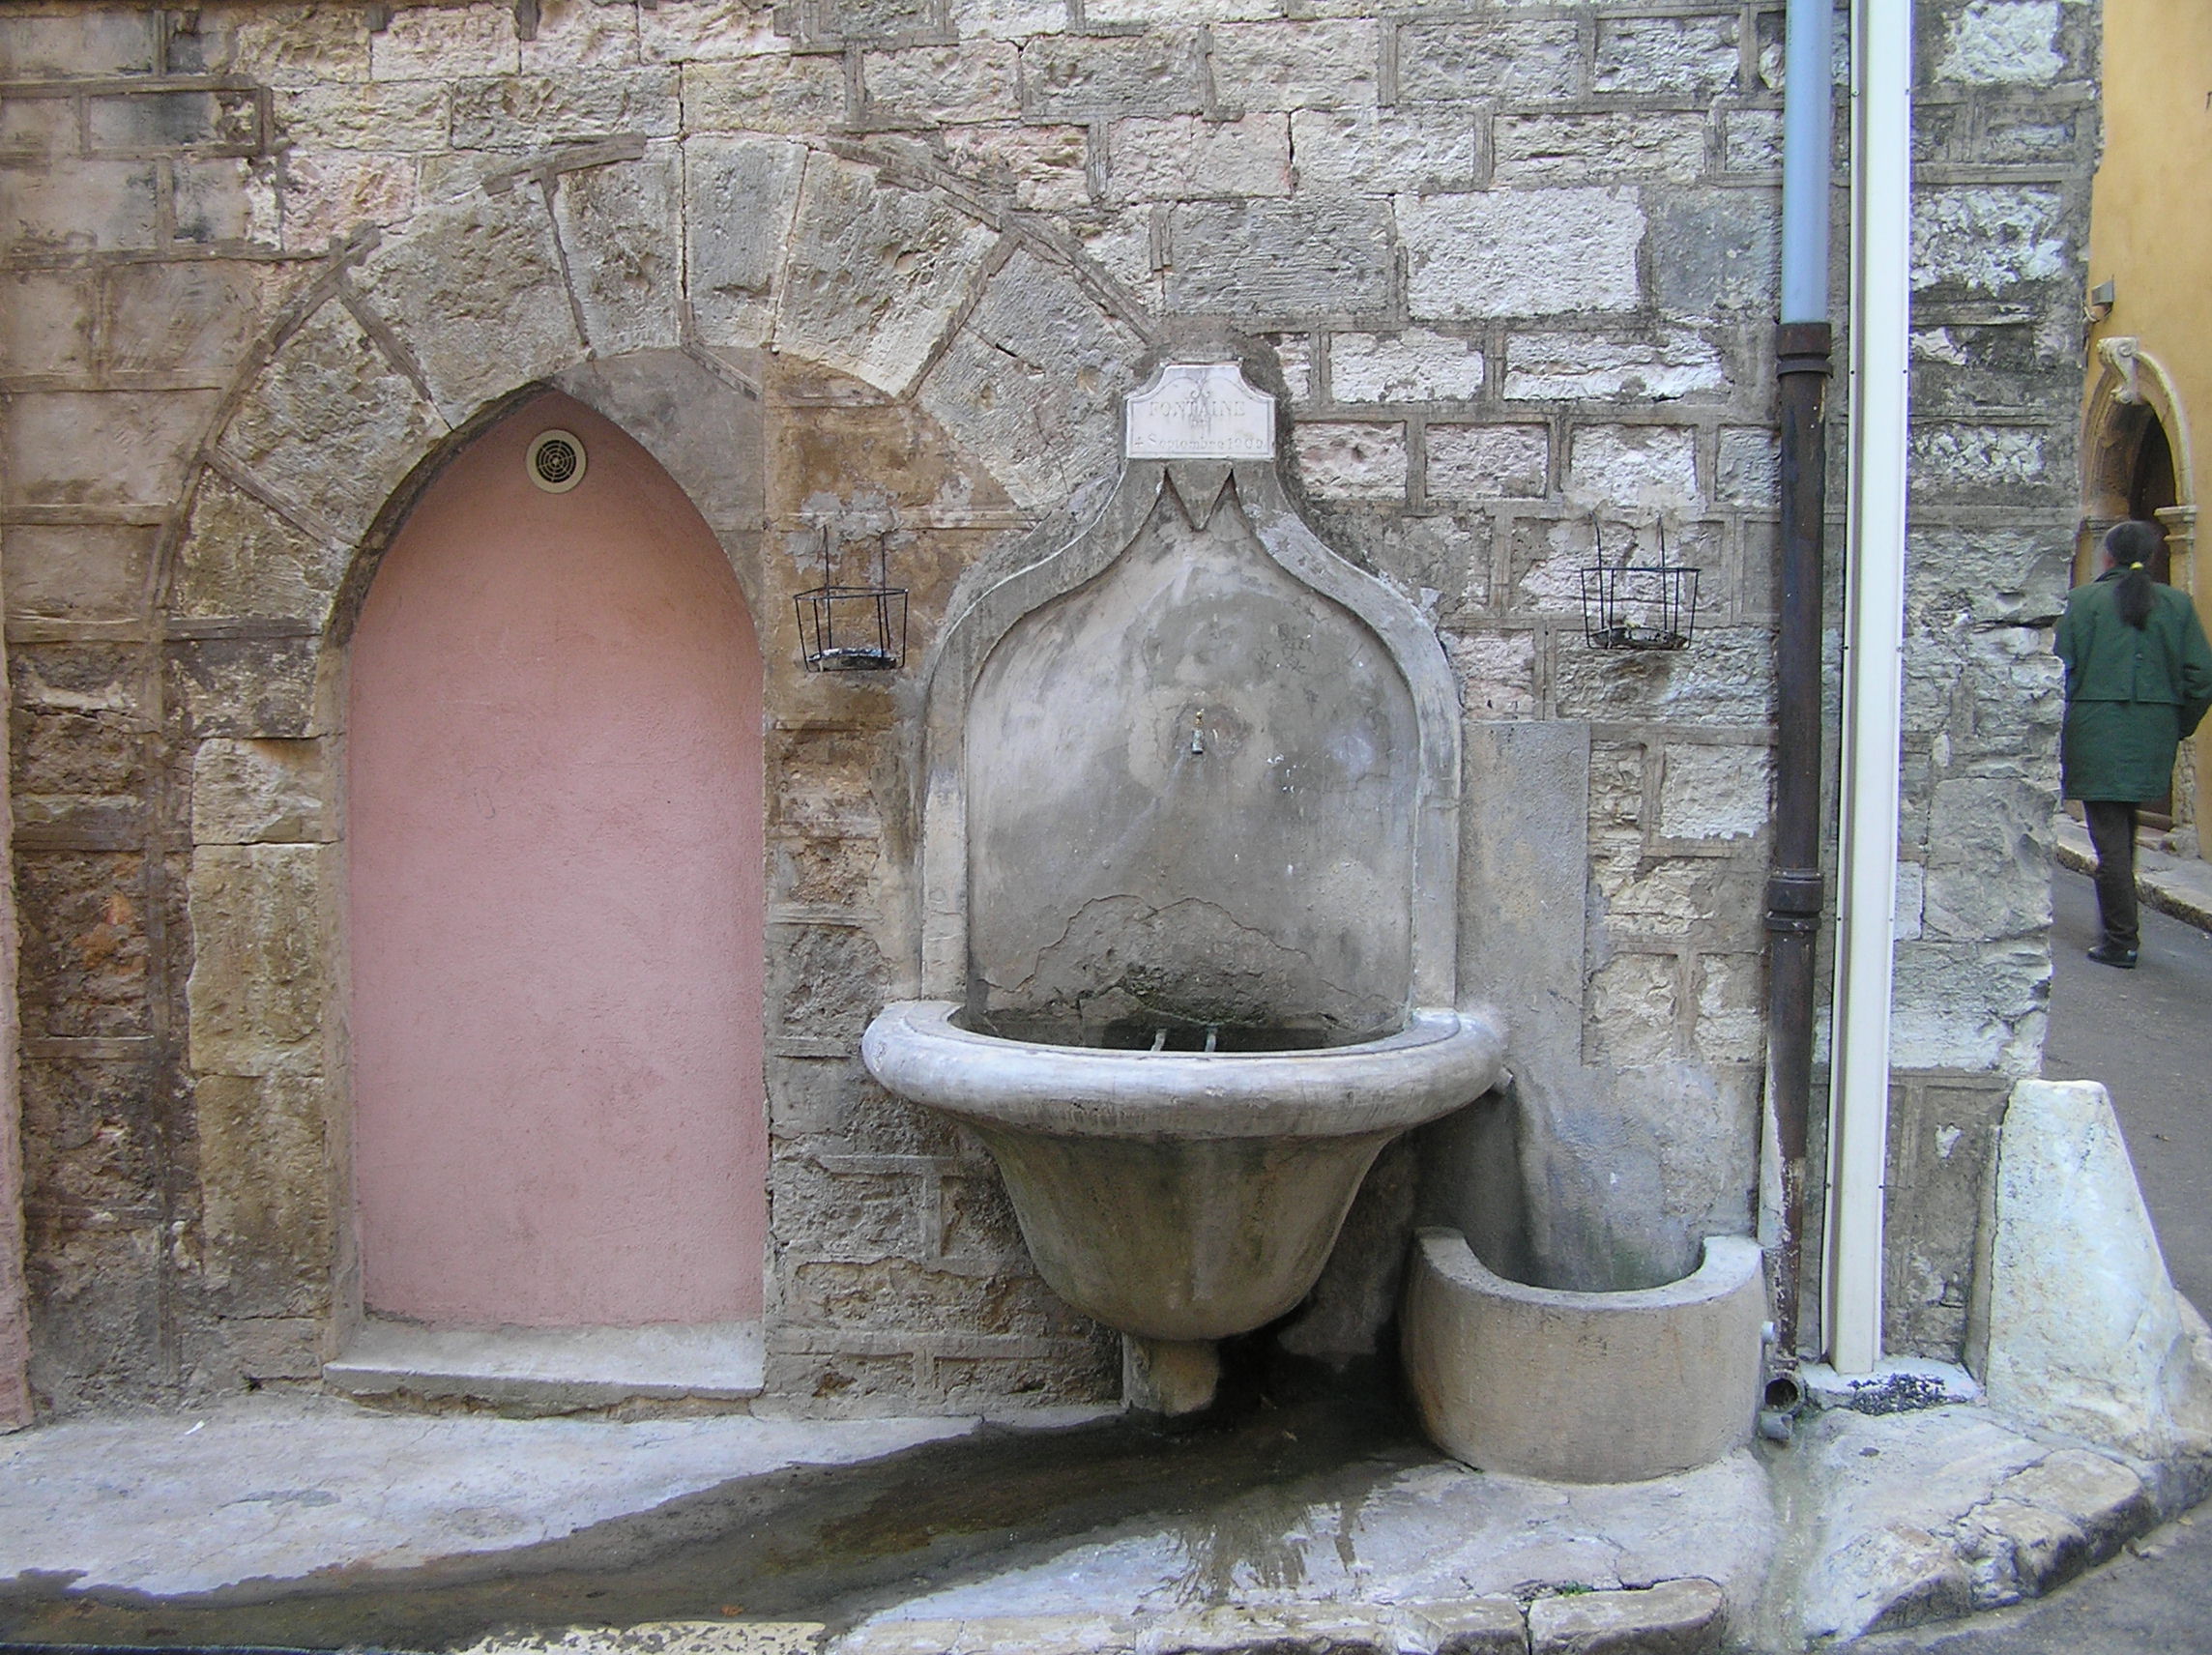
{"x":886,"y":267}
{"x":16,"y":1407}
{"x":2005,"y":133}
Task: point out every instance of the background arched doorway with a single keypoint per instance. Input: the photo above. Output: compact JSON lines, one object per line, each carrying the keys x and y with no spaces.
{"x":555,"y":845}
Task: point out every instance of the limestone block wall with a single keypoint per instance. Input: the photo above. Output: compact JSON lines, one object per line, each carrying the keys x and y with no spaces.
{"x":2006,"y":134}
{"x":16,"y":1407}
{"x":885,"y":269}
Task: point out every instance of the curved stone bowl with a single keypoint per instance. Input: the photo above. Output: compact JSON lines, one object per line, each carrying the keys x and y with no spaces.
{"x":1584,"y":1387}
{"x":1181,"y":1196}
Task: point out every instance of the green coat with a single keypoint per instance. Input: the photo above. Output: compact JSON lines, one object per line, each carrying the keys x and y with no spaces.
{"x":2131,"y":696}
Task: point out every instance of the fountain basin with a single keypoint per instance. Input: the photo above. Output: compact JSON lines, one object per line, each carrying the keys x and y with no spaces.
{"x":1189,"y":818}
{"x":1182,"y":1196}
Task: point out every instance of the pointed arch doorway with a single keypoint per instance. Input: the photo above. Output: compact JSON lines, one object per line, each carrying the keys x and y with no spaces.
{"x":554,"y":865}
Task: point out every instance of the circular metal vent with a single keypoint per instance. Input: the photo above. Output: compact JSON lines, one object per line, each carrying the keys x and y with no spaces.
{"x":557,"y":462}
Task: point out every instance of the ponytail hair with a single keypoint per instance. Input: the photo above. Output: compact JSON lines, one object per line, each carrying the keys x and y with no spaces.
{"x":2130,"y":545}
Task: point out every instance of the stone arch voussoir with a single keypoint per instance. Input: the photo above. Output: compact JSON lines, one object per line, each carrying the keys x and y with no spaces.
{"x":638,"y":284}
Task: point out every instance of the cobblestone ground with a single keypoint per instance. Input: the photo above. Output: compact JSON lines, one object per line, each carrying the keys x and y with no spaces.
{"x":2144,"y":1035}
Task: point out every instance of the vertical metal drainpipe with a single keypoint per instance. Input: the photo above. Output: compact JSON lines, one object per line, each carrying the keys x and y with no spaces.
{"x":1803,"y":340}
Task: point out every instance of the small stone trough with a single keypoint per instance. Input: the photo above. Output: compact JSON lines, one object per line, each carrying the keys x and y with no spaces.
{"x":1584,"y":1387}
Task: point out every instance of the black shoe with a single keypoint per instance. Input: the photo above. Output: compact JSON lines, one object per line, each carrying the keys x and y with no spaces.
{"x":2112,"y":954}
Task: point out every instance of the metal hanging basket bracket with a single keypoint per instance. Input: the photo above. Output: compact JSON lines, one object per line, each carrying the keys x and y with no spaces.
{"x":852,"y":629}
{"x":1639,"y":606}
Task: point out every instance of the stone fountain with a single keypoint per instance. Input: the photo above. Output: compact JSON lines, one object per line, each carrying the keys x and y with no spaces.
{"x":1189,"y":851}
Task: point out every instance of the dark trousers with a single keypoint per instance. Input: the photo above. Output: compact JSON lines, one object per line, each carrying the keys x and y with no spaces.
{"x":2112,"y":831}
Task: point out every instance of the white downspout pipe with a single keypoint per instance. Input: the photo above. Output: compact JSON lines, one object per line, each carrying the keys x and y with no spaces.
{"x":1874,"y":662}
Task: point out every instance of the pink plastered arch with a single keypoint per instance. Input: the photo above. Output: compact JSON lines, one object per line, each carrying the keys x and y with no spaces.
{"x":555,"y":900}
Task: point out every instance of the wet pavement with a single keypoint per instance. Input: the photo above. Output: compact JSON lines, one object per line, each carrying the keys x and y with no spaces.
{"x":1304,"y":1492}
{"x":824,"y":1543}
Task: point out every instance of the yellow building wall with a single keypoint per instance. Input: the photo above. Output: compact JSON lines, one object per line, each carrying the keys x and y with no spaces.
{"x":2151,"y":236}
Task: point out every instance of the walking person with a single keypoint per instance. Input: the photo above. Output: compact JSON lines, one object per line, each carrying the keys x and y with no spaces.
{"x":2139,"y":679}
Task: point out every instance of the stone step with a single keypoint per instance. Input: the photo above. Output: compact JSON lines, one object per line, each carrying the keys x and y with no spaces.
{"x":553,"y":1370}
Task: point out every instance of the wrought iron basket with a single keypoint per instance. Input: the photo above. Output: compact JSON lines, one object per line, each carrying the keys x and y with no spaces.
{"x":1639,"y":606}
{"x":852,"y":629}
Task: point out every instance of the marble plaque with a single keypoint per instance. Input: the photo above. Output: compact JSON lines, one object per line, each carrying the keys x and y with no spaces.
{"x":1200,"y":411}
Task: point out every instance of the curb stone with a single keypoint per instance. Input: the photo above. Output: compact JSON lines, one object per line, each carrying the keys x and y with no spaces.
{"x":1675,"y":1618}
{"x":1474,"y":1626}
{"x":2177,"y":886}
{"x":2097,"y":1499}
{"x":1907,"y":1552}
{"x":1684,"y":1616}
{"x":665,"y":1638}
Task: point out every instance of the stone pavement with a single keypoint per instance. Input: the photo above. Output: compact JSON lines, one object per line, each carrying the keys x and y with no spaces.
{"x":288,"y":1485}
{"x":1312,"y":1519}
{"x":1866,"y":1521}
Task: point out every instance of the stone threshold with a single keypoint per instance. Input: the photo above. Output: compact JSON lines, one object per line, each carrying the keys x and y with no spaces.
{"x":2180,"y":886}
{"x":553,"y":1369}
